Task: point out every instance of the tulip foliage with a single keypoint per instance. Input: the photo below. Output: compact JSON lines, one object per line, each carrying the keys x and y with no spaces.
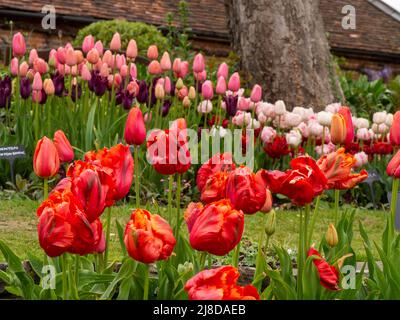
{"x":83,"y":114}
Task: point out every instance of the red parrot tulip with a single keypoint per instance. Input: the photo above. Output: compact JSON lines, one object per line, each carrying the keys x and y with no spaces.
{"x":245,"y":190}
{"x":148,"y":237}
{"x":216,"y":228}
{"x":215,"y":188}
{"x":219,"y":284}
{"x":329,"y":275}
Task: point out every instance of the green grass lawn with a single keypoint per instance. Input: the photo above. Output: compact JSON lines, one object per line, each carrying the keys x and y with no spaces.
{"x":18,"y":228}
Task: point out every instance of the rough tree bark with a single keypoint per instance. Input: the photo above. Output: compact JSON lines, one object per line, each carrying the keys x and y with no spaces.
{"x":282,"y":46}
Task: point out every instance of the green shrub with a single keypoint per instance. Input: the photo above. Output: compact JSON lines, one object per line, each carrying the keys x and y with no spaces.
{"x":144,"y":34}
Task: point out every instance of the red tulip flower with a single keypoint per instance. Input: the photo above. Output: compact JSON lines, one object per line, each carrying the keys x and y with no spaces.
{"x":217,"y":163}
{"x":215,"y":188}
{"x":329,"y":275}
{"x":168,"y":152}
{"x":382,"y":148}
{"x":346,"y":113}
{"x":63,"y":227}
{"x":393,"y":167}
{"x":119,"y":160}
{"x":135,"y":129}
{"x":64,"y":149}
{"x":277,"y":148}
{"x":216,"y":228}
{"x":148,"y":237}
{"x":337,"y":167}
{"x":219,"y":284}
{"x":245,"y":190}
{"x":301,"y":184}
{"x":46,"y":161}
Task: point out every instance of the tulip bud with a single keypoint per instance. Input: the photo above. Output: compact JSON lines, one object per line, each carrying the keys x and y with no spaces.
{"x":33,"y":55}
{"x":46,"y":161}
{"x":99,"y":47}
{"x":223,"y":71}
{"x":104,"y":70}
{"x":271,"y":223}
{"x":70,"y":57}
{"x":256,"y":93}
{"x":176,"y":66}
{"x":393,"y":167}
{"x":18,"y":45}
{"x":63,"y":146}
{"x":186,"y":102}
{"x":184,"y":66}
{"x":115,"y":44}
{"x":159,"y":91}
{"x":108,"y":58}
{"x":14,"y":66}
{"x":221,"y":86}
{"x":61,"y":55}
{"x":234,"y":82}
{"x":280,"y":108}
{"x":331,"y":236}
{"x":152,"y":52}
{"x":165,"y":62}
{"x":154,"y":68}
{"x":179,"y":84}
{"x":85,"y":73}
{"x":37,"y":82}
{"x":132,"y":50}
{"x":199,"y":63}
{"x":135,"y":129}
{"x":338,"y":129}
{"x":201,"y":76}
{"x":88,"y":43}
{"x":48,"y":87}
{"x":93,"y":56}
{"x":192,"y":93}
{"x":207,"y":90}
{"x":268,"y":202}
{"x":133,"y":71}
{"x":23,"y":69}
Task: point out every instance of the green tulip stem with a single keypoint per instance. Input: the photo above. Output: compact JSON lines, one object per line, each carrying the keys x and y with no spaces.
{"x":146,"y":283}
{"x":178,"y":207}
{"x":313,"y":220}
{"x":108,"y":230}
{"x":137,"y":178}
{"x":45,"y":188}
{"x":64,"y":276}
{"x":337,"y":197}
{"x":393,"y":205}
{"x":170,"y":187}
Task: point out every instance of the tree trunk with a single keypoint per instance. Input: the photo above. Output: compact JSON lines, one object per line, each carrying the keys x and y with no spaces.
{"x":283,"y":47}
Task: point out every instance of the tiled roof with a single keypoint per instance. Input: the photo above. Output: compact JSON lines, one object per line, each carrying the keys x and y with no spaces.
{"x":376,"y":31}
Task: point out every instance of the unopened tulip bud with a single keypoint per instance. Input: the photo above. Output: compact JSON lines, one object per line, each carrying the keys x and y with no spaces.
{"x":135,"y":129}
{"x":165,"y":62}
{"x":179,"y":84}
{"x":338,"y":129}
{"x":154,"y":68}
{"x":133,"y":71}
{"x":23,"y":69}
{"x":48,"y":87}
{"x":256,"y":93}
{"x":46,"y":161}
{"x":132,"y":50}
{"x":108,"y":58}
{"x":186,"y":102}
{"x":324,"y":118}
{"x":37,"y":84}
{"x":221,"y":86}
{"x":63,"y":146}
{"x":61,"y":55}
{"x":115,"y":44}
{"x":88,"y":43}
{"x":184,"y":69}
{"x":79,"y":56}
{"x":280,"y":108}
{"x":271,"y":223}
{"x":159,"y":92}
{"x":331,"y":236}
{"x":70,"y":57}
{"x":199,"y":63}
{"x":192,"y":93}
{"x":152,"y":52}
{"x":104,"y":70}
{"x":85,"y":73}
{"x":234,"y":82}
{"x":18,"y":45}
{"x":93,"y":56}
{"x":223,"y":71}
{"x":14,"y":66}
{"x":33,"y":55}
{"x":176,"y":66}
{"x":39,"y":65}
{"x":207,"y":90}
{"x":167,"y":85}
{"x":99,"y":47}
{"x":268,"y":202}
